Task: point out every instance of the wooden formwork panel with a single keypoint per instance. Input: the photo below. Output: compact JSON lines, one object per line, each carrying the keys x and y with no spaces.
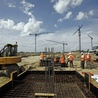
{"x":10,"y":60}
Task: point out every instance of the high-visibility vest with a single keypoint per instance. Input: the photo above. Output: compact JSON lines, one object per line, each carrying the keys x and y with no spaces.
{"x":55,"y":59}
{"x":42,"y":56}
{"x":82,"y":57}
{"x":62,"y":60}
{"x":71,"y":58}
{"x":88,"y":57}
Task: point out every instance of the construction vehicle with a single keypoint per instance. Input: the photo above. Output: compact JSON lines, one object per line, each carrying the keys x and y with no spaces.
{"x":9,"y":59}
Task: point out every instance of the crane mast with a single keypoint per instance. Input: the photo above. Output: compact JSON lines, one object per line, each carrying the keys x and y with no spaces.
{"x":91,"y":41}
{"x":79,"y":34}
{"x":37,"y":34}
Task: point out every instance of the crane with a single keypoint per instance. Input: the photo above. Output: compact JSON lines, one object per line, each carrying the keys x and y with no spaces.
{"x":59,"y":43}
{"x":37,"y":34}
{"x":91,"y":41}
{"x":79,"y":33}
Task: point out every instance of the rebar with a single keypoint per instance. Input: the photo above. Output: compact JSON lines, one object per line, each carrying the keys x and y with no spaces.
{"x":64,"y":86}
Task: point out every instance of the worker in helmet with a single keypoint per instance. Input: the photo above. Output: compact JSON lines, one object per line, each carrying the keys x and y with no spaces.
{"x":62,"y":61}
{"x":42,"y":56}
{"x":88,"y":60}
{"x":63,"y":55}
{"x":82,"y":60}
{"x":71,"y":58}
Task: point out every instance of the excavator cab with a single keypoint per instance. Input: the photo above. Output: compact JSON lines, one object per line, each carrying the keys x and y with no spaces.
{"x":9,"y":59}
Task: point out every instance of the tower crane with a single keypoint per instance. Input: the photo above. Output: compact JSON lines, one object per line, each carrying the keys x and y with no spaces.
{"x":91,"y":41}
{"x":79,"y":33}
{"x":59,"y":43}
{"x":37,"y":34}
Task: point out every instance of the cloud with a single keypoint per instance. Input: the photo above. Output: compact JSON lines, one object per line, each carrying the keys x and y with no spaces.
{"x":62,"y":35}
{"x":19,"y":26}
{"x":6,"y":24}
{"x":55,"y":25}
{"x":26,"y":7}
{"x":11,"y":5}
{"x":60,"y":19}
{"x":52,"y":0}
{"x":31,"y":27}
{"x":67,"y":16}
{"x":82,"y":15}
{"x":75,"y":3}
{"x":10,"y":25}
{"x":25,"y":28}
{"x":91,"y":12}
{"x":62,"y":6}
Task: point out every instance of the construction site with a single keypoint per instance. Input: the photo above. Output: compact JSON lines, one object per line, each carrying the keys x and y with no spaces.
{"x":25,"y":76}
{"x":48,"y":49}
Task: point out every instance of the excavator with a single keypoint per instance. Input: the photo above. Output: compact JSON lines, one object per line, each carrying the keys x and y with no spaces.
{"x":9,"y":59}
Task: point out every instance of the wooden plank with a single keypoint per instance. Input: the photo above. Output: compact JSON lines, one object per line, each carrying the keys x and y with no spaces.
{"x":45,"y":94}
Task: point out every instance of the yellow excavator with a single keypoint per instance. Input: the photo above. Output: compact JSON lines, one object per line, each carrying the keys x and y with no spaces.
{"x":9,"y":59}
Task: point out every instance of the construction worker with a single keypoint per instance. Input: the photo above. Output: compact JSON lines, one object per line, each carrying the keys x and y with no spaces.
{"x":42,"y":56}
{"x":65,"y":59}
{"x":55,"y":59}
{"x":82,"y":60}
{"x":71,"y":58}
{"x":62,"y":61}
{"x":88,"y":60}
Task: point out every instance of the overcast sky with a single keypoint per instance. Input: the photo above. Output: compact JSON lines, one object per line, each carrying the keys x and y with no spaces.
{"x":59,"y":18}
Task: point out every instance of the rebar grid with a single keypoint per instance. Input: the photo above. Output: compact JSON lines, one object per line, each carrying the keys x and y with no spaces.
{"x":64,"y":86}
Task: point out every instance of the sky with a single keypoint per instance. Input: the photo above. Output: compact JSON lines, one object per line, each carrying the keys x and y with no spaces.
{"x":57,"y":20}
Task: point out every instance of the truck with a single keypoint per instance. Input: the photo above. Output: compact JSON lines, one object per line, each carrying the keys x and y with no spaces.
{"x":9,"y":59}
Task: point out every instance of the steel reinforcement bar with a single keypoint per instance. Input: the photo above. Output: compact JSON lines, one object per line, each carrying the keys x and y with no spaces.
{"x":62,"y":86}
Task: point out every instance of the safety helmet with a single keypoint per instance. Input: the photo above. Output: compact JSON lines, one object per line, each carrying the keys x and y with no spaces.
{"x":69,"y":53}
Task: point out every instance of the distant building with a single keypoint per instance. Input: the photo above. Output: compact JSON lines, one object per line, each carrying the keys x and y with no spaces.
{"x":49,"y":49}
{"x":52,"y":49}
{"x":46,"y":50}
